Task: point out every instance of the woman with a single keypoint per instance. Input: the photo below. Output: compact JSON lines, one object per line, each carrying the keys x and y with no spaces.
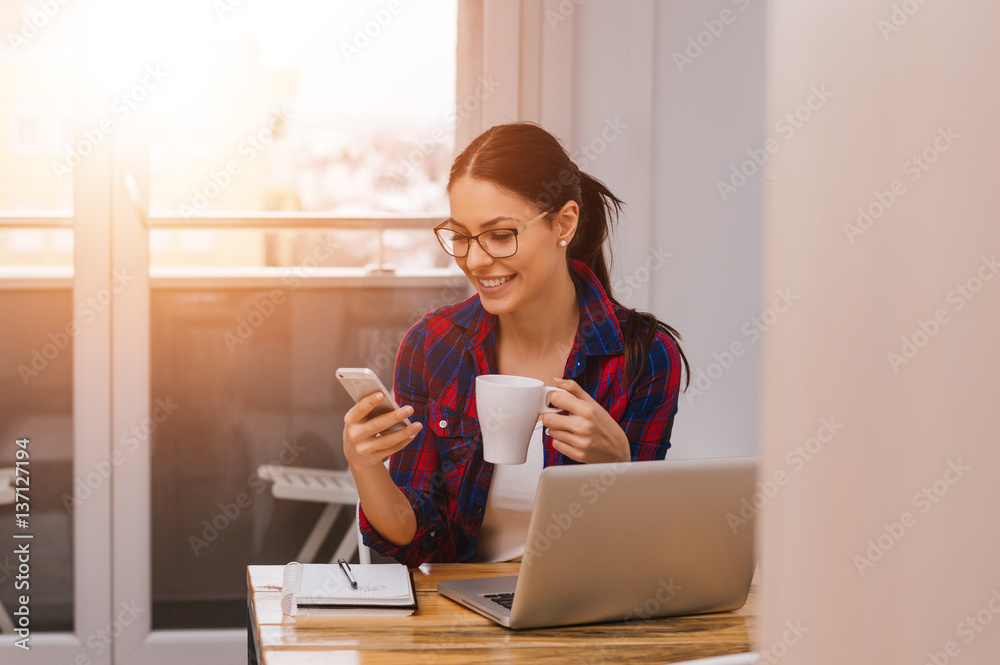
{"x":528,"y":228}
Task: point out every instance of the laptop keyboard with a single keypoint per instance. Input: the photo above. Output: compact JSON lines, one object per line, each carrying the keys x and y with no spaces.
{"x":502,"y":599}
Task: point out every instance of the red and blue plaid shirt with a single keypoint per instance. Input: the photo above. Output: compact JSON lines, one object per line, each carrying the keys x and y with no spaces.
{"x":442,"y":471}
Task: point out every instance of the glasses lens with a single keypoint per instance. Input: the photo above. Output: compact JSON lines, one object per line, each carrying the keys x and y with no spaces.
{"x":454,"y":243}
{"x":500,"y":243}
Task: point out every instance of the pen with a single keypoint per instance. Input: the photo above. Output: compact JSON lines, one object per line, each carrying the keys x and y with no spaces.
{"x":347,"y":571}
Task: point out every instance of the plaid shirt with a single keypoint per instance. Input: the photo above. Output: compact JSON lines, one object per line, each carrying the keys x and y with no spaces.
{"x":442,"y":471}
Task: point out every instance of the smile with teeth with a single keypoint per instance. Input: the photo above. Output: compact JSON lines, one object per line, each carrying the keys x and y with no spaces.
{"x":496,"y":282}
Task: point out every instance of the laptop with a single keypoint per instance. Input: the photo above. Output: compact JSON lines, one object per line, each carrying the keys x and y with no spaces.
{"x":627,"y":542}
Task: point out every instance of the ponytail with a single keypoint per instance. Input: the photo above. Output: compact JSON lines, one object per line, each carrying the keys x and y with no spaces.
{"x":523,"y":158}
{"x":598,"y":207}
{"x":599,"y":211}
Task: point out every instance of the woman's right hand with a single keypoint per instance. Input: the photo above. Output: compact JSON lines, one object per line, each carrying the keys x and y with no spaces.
{"x":362,"y":445}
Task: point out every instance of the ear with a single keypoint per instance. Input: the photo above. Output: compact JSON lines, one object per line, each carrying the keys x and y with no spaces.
{"x":566,"y":221}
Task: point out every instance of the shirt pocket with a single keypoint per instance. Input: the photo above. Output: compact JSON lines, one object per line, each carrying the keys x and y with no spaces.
{"x":456,"y":435}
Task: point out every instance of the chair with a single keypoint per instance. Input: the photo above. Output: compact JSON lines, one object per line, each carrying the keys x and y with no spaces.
{"x":367,"y":554}
{"x":6,"y":497}
{"x":364,"y":552}
{"x":334,"y":488}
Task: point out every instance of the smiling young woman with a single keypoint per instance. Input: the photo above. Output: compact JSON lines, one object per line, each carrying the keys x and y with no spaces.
{"x":528,"y":229}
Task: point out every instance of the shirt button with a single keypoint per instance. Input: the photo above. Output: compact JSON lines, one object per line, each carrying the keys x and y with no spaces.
{"x":443,"y":424}
{"x":431,"y":534}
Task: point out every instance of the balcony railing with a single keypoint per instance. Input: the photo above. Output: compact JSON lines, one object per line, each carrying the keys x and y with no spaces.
{"x":376,"y":274}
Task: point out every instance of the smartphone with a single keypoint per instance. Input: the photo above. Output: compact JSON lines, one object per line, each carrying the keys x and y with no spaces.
{"x":361,"y":382}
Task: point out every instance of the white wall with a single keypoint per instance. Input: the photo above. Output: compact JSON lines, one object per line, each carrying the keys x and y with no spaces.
{"x":602,"y":76}
{"x":685,"y":130}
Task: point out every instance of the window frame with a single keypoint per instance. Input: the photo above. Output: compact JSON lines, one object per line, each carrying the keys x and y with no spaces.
{"x":497,"y":38}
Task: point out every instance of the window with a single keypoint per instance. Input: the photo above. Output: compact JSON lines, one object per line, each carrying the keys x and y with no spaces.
{"x":272,"y":153}
{"x":264,"y":124}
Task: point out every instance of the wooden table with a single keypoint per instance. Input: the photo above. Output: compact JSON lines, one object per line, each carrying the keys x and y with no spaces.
{"x":442,"y":631}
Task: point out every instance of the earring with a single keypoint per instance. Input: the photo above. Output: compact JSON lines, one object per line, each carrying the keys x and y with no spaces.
{"x":562,"y":243}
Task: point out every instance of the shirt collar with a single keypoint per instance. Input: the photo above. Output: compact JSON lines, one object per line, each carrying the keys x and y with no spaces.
{"x":599,"y":331}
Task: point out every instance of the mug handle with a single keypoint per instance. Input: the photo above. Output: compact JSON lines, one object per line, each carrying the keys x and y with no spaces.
{"x":545,"y":400}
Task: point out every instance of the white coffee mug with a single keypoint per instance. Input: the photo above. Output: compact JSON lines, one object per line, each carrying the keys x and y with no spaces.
{"x":508,"y":408}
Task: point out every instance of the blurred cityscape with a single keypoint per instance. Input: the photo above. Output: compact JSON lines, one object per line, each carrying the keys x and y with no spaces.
{"x":255,"y":129}
{"x":256,"y":111}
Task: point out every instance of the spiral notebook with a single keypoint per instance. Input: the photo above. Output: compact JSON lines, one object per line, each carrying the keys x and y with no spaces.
{"x":322,"y":589}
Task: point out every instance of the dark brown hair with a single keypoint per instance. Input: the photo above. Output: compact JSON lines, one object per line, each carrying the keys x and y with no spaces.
{"x":525,"y":159}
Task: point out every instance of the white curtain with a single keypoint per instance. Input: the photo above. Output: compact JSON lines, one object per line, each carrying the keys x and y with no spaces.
{"x":881,"y":408}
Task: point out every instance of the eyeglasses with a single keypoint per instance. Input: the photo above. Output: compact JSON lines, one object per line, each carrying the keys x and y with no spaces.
{"x":498,"y":243}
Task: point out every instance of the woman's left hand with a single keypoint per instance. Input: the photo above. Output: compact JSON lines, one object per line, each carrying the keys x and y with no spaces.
{"x":588,"y":434}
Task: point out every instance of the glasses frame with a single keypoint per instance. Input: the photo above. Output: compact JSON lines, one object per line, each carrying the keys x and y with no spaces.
{"x":443,"y":226}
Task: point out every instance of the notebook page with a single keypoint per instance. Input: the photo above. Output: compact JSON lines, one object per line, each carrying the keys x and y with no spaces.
{"x":385,"y":584}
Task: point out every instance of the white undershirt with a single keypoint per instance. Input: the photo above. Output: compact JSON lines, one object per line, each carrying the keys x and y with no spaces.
{"x":509,"y":504}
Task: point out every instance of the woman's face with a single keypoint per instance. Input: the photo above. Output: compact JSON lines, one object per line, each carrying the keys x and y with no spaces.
{"x":505,"y":284}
